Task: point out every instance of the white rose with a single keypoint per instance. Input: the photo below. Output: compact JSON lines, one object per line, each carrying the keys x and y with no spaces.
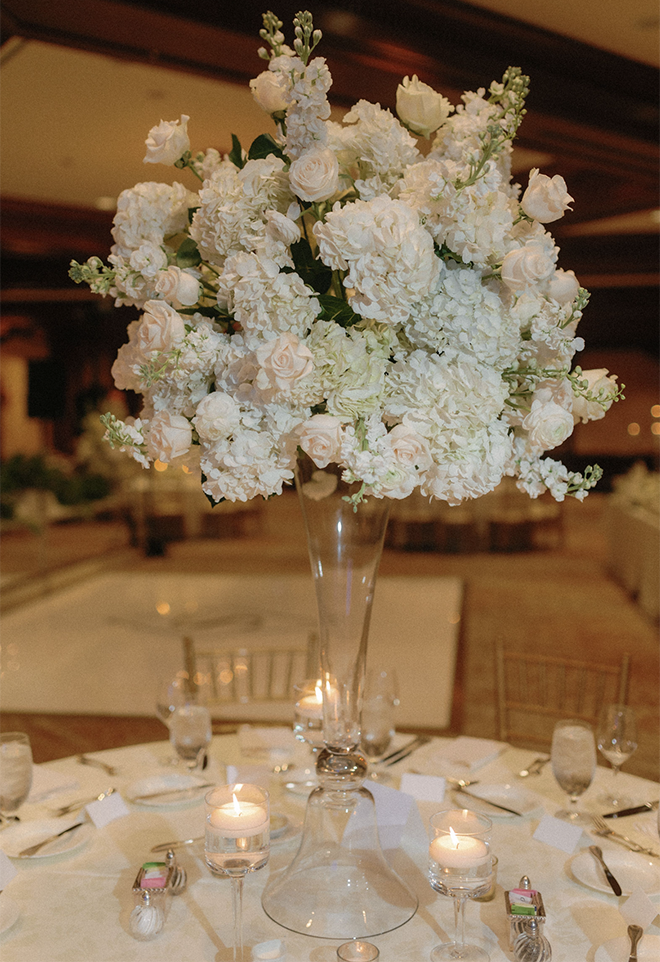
{"x":320,"y":438}
{"x":563,"y":287}
{"x":282,"y":228}
{"x":315,"y":174}
{"x":168,"y":141}
{"x":527,"y":266}
{"x":283,"y":361}
{"x":217,"y":416}
{"x":178,"y":285}
{"x":546,"y":198}
{"x":601,"y":386}
{"x":420,"y":108}
{"x":148,"y":259}
{"x":548,"y":424}
{"x":269,"y":90}
{"x":161,"y":328}
{"x":169,"y":436}
{"x":410,"y":448}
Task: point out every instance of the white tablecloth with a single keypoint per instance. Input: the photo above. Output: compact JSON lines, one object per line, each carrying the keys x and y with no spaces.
{"x":75,"y":907}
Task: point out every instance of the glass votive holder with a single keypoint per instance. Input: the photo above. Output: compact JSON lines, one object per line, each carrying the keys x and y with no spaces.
{"x":490,"y":894}
{"x":237,"y":838}
{"x":460,"y":862}
{"x":356,"y":951}
{"x":308,"y":712}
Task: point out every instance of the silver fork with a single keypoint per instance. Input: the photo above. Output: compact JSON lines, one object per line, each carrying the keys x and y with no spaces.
{"x":603,"y":829}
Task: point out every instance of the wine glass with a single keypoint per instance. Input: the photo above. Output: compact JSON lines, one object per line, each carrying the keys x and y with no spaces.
{"x":617,"y":740}
{"x":181,"y":704}
{"x":15,"y":772}
{"x":237,"y":841}
{"x":461,"y":866}
{"x":379,"y":701}
{"x":573,"y":760}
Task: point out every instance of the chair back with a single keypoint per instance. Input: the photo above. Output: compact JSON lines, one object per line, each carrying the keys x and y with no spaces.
{"x":246,"y":676}
{"x":535,"y":691}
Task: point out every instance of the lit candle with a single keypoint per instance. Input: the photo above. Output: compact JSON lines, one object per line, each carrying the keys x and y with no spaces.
{"x":458,"y":851}
{"x":239,"y":819}
{"x":311,"y":706}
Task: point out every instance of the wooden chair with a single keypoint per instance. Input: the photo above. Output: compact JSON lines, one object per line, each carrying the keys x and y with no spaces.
{"x":251,"y":675}
{"x":535,"y":691}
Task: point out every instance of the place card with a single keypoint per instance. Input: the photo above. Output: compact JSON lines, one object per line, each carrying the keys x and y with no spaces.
{"x":259,"y":740}
{"x":559,"y":834}
{"x":638,"y":909}
{"x":107,"y":809}
{"x":392,"y":812}
{"x":423,"y":788}
{"x":7,"y":870}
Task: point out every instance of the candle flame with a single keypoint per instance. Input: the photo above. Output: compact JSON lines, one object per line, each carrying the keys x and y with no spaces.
{"x":319,"y":694}
{"x":237,"y":807}
{"x":454,"y":837}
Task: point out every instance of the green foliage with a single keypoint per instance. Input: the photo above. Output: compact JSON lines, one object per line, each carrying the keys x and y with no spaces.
{"x":21,"y":472}
{"x":264,"y":146}
{"x":337,"y":310}
{"x":188,"y":255}
{"x":313,"y":271}
{"x":236,"y":153}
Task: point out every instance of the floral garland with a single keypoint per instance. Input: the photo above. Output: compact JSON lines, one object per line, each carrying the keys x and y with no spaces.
{"x":333,"y":289}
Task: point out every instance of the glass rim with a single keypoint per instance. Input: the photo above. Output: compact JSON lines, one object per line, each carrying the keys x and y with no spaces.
{"x":226,"y":791}
{"x":486,"y":822}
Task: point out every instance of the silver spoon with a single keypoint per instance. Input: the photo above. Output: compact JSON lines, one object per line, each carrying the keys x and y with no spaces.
{"x":534,"y":768}
{"x":635,"y":932}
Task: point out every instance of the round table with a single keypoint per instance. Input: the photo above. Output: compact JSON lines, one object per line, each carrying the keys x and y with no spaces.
{"x":75,"y":906}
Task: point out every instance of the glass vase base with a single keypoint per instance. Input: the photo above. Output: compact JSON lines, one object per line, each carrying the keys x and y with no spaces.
{"x":451,"y":951}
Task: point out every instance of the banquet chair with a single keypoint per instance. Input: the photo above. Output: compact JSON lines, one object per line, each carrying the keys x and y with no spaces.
{"x":534,"y":691}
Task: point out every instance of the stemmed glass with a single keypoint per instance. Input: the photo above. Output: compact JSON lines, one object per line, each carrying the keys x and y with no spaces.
{"x":461,"y":866}
{"x":15,"y":772}
{"x":379,"y":702}
{"x":181,"y":705}
{"x":573,"y":760}
{"x":237,"y":841}
{"x":617,"y":740}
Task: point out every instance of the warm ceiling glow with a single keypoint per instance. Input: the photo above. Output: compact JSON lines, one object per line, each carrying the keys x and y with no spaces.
{"x":633,"y":429}
{"x":163,"y":608}
{"x":655,"y":427}
{"x":655,"y":411}
{"x":160,"y":466}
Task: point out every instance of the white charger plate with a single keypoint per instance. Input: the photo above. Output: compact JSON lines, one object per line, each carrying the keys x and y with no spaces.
{"x":631,"y":870}
{"x":163,"y":783}
{"x":618,"y":950}
{"x":9,"y":913}
{"x":512,"y":796}
{"x":20,"y":836}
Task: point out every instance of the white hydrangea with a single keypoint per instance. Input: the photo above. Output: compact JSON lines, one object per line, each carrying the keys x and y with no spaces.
{"x":149,"y":212}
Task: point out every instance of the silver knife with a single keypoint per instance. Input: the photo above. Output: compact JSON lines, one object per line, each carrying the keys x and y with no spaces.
{"x":174,"y":791}
{"x":597,"y":853}
{"x":502,"y":808}
{"x":33,"y":849}
{"x":405,"y":750}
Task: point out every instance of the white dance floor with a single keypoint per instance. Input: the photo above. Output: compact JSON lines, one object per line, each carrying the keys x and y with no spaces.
{"x":103,"y":646}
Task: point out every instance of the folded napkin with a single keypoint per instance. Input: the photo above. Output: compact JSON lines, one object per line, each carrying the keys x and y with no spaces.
{"x":47,"y":782}
{"x":259,"y":741}
{"x":467,"y":753}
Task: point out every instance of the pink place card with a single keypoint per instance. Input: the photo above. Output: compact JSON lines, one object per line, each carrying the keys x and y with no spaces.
{"x":559,"y":834}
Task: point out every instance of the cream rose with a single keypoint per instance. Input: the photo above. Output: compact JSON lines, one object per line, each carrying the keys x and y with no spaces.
{"x":420,"y":108}
{"x":217,"y":416}
{"x":410,"y":448}
{"x":546,"y":198}
{"x":161,"y":328}
{"x":600,"y":386}
{"x":548,"y":424}
{"x":563,"y":287}
{"x":282,"y":362}
{"x":528,"y":266}
{"x":269,"y":90}
{"x":320,"y":438}
{"x":314,"y":175}
{"x":169,"y":436}
{"x":168,"y":141}
{"x":178,"y":285}
{"x":282,"y":228}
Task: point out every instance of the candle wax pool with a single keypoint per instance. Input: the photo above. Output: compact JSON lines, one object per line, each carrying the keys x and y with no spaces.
{"x":466,"y":852}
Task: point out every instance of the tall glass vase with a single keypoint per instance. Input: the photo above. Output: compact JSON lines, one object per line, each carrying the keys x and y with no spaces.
{"x":339,"y":885}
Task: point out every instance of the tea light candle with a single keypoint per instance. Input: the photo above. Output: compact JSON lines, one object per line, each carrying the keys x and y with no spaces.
{"x":311,"y":706}
{"x":238,"y":819}
{"x":458,"y":851}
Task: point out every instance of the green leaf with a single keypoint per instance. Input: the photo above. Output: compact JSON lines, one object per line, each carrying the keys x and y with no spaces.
{"x":314,"y":272}
{"x":236,"y":154}
{"x":188,"y":254}
{"x":335,"y":309}
{"x":263,"y":146}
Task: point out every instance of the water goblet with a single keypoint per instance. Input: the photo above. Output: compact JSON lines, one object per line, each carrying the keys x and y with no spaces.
{"x":573,"y":760}
{"x":379,"y":701}
{"x":15,"y":772}
{"x":190,"y":734}
{"x":617,"y":740}
{"x":237,"y":841}
{"x":460,"y":866}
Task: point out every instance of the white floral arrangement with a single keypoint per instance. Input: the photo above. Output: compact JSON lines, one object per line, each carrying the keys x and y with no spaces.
{"x":334,"y":289}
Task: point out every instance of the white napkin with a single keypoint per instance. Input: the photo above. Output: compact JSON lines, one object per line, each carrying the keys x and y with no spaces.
{"x":257,"y":741}
{"x":468,"y":753}
{"x":47,"y":782}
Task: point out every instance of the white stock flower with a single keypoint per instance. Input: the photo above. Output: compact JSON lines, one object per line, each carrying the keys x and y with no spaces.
{"x":168,"y":141}
{"x":314,"y":176}
{"x":563,"y":287}
{"x":178,"y":285}
{"x":148,"y":259}
{"x":601,"y":386}
{"x":168,"y":436}
{"x":527,"y":266}
{"x":546,"y":198}
{"x":320,"y":438}
{"x":217,"y":416}
{"x":548,"y":424}
{"x":420,"y":107}
{"x":161,"y":328}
